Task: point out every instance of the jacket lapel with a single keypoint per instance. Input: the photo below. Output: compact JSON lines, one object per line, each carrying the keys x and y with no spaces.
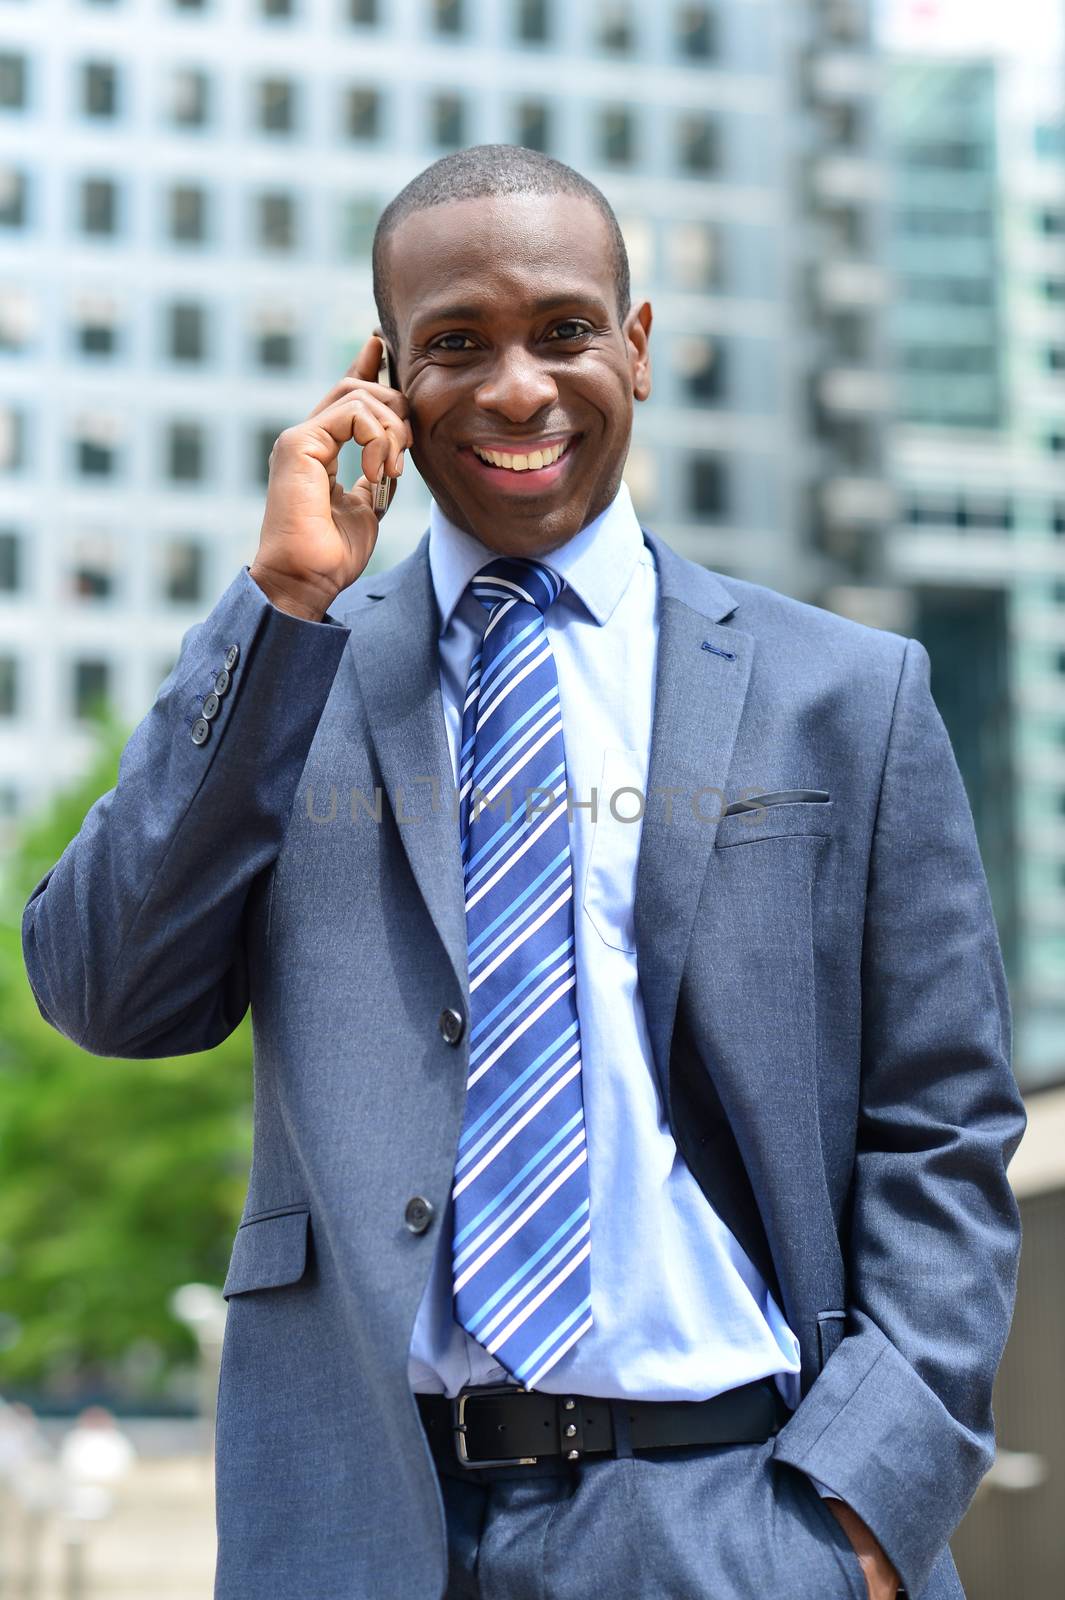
{"x":394,"y":637}
{"x":699,"y":699}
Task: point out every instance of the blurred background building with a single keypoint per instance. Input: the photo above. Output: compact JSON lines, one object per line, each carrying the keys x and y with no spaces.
{"x":849,"y":216}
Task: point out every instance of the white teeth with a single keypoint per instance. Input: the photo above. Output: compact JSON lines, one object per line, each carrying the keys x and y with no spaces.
{"x":527,"y":463}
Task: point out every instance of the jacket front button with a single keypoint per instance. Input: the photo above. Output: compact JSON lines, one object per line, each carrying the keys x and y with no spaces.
{"x":452,"y":1023}
{"x":419,"y":1213}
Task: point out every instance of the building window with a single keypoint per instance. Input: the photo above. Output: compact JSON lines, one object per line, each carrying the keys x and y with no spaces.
{"x":12,"y":81}
{"x":188,"y":98}
{"x":99,"y":89}
{"x":186,"y":331}
{"x":277,"y":8}
{"x":93,"y":569}
{"x":1052,"y":221}
{"x":616,"y":135}
{"x":1055,"y":442}
{"x":189,"y":5}
{"x":694,"y":33}
{"x":91,"y":687}
{"x":263,"y":440}
{"x":96,"y":326}
{"x":362,"y":113}
{"x":96,"y":446}
{"x":447,"y":121}
{"x":13,"y":190}
{"x":276,"y":221}
{"x":187,"y":213}
{"x":532,"y":21}
{"x":447,"y":16}
{"x":274,"y":340}
{"x":185,"y":455}
{"x":700,"y":366}
{"x":614,"y":30}
{"x":10,"y":561}
{"x":532,"y":125}
{"x":183,"y":572}
{"x":18,"y":319}
{"x":697,"y":144}
{"x":1054,"y":358}
{"x":9,"y":686}
{"x":1053,"y":289}
{"x":357,"y":222}
{"x":362,"y":12}
{"x":707,"y":487}
{"x":12,"y":439}
{"x":99,"y":207}
{"x":275,"y":105}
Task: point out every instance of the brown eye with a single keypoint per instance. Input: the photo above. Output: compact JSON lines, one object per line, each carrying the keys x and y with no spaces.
{"x":574,"y":328}
{"x":464,"y":343}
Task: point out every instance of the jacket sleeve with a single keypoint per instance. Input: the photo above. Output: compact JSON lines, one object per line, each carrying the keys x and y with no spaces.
{"x":899,"y":1421}
{"x":133,"y":942}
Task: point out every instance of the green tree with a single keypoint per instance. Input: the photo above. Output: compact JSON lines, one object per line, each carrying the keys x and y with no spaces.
{"x":120,"y":1179}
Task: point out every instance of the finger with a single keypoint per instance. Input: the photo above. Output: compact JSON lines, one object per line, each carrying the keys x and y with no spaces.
{"x":392,"y":398}
{"x":364,"y":410}
{"x":355,"y":417}
{"x":367,"y":363}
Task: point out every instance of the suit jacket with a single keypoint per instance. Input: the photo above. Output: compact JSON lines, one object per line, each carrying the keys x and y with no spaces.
{"x":824,"y":995}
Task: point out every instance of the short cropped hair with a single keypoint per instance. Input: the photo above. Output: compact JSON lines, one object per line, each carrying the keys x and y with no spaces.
{"x":473,"y":174}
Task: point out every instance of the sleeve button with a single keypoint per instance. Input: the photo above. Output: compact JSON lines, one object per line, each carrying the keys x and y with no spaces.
{"x":231,"y":657}
{"x":211,"y":706}
{"x":201,"y":730}
{"x":452,"y":1024}
{"x":418,"y":1213}
{"x":221,"y":682}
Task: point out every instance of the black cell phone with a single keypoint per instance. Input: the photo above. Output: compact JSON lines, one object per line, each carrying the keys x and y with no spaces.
{"x":382,"y":492}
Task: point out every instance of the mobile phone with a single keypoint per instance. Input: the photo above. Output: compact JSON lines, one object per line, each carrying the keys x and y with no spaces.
{"x":382,"y":492}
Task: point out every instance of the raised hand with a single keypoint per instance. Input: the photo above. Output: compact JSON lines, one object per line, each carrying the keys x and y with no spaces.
{"x":317,"y":537}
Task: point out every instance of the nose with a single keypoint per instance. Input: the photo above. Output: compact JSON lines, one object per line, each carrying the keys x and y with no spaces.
{"x":518,"y":387}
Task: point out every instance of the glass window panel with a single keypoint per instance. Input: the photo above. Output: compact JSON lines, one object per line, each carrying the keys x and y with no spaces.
{"x":276,"y":217}
{"x":12,"y":81}
{"x":184,"y":571}
{"x":91,"y":687}
{"x":188,"y":213}
{"x":13,"y":198}
{"x":617,"y":135}
{"x":362,"y":113}
{"x":10,"y":561}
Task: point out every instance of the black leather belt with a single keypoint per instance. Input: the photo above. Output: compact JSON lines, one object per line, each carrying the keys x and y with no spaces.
{"x":503,"y":1425}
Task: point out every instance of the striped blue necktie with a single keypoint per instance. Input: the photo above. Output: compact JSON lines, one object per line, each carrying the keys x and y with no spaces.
{"x":520,"y":1253}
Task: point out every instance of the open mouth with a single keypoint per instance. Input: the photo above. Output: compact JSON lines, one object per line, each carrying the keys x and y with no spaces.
{"x":533,"y":461}
{"x":527,"y":471}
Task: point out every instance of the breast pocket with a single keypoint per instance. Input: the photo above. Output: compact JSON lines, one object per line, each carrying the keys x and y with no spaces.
{"x":610,"y":880}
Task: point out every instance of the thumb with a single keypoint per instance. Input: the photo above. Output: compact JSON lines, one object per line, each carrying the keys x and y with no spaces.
{"x":367,"y":363}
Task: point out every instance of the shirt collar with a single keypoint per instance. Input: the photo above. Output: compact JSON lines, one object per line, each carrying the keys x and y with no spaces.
{"x":597,"y":563}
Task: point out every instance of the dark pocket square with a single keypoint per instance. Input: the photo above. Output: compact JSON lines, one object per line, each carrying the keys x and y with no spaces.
{"x":780,"y":797}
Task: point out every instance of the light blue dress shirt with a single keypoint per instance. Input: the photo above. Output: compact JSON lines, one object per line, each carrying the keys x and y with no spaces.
{"x":679,"y":1311}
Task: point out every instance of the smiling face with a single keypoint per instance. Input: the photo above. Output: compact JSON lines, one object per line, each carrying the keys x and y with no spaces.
{"x":519,"y":374}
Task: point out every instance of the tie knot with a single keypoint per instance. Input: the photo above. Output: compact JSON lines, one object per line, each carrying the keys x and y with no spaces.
{"x":515,"y":578}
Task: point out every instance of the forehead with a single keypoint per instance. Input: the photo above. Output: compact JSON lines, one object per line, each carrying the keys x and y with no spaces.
{"x":500,"y":252}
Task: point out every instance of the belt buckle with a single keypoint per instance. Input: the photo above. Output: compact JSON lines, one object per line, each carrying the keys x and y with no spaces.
{"x":458,"y":1425}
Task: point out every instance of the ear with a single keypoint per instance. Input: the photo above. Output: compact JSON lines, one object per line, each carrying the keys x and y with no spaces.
{"x":637,"y":331}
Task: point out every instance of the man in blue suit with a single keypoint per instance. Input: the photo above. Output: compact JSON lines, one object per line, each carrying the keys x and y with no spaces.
{"x":628,"y":1210}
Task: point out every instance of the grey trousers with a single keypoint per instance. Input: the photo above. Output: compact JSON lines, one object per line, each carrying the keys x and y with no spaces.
{"x":708,"y":1523}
